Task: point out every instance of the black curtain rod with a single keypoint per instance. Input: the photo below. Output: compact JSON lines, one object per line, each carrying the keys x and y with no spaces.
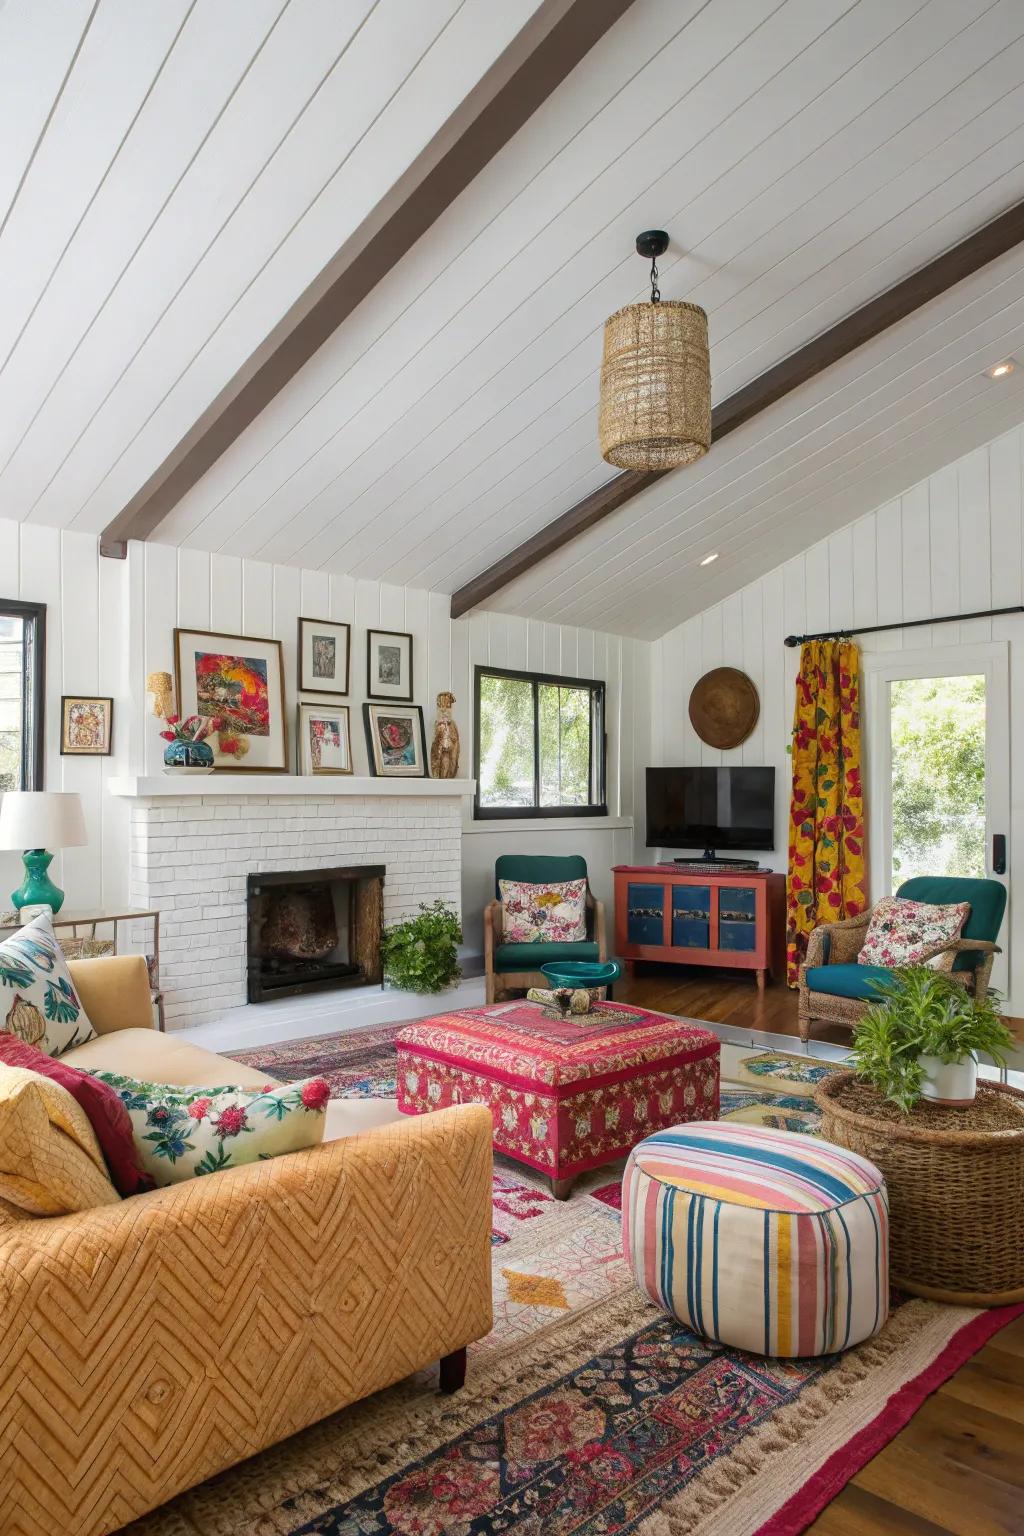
{"x":875,"y":629}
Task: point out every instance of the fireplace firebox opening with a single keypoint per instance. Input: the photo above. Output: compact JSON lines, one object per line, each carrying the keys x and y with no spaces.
{"x":313,"y":930}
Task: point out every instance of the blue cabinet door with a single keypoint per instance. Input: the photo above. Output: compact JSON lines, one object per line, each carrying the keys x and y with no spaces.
{"x":737,"y":924}
{"x":691,"y":916}
{"x":645,"y":914}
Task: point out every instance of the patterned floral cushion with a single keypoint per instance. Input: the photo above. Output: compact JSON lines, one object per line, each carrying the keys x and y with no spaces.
{"x":901,"y":932}
{"x":183,"y":1132}
{"x":554,"y":913}
{"x":37,"y":1000}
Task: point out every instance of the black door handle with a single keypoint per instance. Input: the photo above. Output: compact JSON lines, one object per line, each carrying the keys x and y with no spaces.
{"x":999,"y":853}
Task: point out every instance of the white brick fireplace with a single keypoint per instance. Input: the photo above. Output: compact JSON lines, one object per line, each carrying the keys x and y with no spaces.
{"x":193,"y":841}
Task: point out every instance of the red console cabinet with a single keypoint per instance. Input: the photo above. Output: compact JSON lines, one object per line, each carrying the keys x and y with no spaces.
{"x":736,"y":920}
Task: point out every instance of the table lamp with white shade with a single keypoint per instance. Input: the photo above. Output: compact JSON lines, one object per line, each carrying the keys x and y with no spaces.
{"x":35,"y":820}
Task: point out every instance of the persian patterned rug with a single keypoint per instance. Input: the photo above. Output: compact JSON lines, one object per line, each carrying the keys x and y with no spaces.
{"x":769,"y":1089}
{"x":586,"y":1411}
{"x":358,"y":1064}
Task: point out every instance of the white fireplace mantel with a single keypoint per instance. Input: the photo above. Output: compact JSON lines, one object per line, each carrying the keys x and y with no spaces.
{"x":174,"y":785}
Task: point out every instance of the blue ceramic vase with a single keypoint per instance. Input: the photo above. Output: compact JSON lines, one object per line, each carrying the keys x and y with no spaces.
{"x":188,"y":754}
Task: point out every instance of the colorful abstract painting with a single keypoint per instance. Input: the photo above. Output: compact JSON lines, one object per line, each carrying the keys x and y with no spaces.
{"x":234,"y":689}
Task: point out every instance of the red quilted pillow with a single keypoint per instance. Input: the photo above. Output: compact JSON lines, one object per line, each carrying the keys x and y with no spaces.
{"x":107,"y":1114}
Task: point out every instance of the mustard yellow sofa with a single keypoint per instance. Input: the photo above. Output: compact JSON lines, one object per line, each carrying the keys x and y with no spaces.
{"x":148,"y":1343}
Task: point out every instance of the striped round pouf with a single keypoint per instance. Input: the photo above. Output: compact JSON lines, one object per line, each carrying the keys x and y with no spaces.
{"x":764,"y":1240}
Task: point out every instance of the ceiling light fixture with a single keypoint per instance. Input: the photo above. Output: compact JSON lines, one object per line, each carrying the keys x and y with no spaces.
{"x":655,"y":411}
{"x":1001,"y":370}
{"x":709,"y":558}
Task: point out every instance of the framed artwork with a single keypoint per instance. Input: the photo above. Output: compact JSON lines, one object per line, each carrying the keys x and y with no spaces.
{"x":323,"y":656}
{"x":239,"y":683}
{"x":388,"y":665}
{"x":86,"y":726}
{"x":325,"y":740}
{"x":396,"y":743}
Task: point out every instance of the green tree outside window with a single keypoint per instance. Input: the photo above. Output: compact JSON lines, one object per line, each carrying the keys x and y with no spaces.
{"x":937,"y":731}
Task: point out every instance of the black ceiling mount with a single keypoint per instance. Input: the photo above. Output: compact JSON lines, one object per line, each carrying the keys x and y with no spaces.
{"x":652,"y":243}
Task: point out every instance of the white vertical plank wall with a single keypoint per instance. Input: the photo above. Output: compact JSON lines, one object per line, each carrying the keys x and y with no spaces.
{"x":110,"y":623}
{"x":87,"y":652}
{"x":951,"y":544}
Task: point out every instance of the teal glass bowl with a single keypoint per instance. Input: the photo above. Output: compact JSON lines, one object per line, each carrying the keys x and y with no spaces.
{"x":577,"y":974}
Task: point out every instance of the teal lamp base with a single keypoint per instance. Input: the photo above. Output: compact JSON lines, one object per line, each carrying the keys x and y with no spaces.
{"x":37,"y":889}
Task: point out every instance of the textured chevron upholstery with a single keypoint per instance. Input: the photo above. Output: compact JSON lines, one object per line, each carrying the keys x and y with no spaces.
{"x":147,"y":1344}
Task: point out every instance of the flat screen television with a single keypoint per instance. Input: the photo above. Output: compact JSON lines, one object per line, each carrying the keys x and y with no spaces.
{"x":711,"y":808}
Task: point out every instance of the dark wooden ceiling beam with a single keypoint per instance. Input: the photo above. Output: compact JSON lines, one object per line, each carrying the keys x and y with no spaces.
{"x":877,"y":315}
{"x":332,"y":298}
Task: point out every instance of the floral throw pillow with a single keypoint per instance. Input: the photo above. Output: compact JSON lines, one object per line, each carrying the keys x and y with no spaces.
{"x":552,"y":914}
{"x":901,"y":932}
{"x":38,"y":1002}
{"x":181,"y":1133}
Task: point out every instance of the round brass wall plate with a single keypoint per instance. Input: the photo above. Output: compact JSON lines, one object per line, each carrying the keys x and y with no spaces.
{"x":724,"y":707}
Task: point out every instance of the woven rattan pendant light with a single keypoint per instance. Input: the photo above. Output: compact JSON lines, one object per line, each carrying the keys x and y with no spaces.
{"x":655,"y":378}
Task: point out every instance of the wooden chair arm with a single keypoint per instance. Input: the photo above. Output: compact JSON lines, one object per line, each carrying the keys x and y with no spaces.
{"x":599,"y":930}
{"x":492,"y":928}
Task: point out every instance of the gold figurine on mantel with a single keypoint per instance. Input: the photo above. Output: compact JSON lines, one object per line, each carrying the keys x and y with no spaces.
{"x":444,"y":749}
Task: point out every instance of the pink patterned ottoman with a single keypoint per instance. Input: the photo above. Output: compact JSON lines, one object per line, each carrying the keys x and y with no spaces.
{"x":565,"y":1096}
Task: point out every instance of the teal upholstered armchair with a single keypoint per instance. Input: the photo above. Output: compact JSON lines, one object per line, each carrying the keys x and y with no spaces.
{"x":519,"y":965}
{"x":835,"y":987}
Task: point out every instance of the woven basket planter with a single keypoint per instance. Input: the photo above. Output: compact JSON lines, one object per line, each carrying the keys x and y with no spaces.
{"x":956,"y":1186}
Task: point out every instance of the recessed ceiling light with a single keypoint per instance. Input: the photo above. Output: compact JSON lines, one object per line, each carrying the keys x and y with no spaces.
{"x":1000,"y":370}
{"x":709,"y":558}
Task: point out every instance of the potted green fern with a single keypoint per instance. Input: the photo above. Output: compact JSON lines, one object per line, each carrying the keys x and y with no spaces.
{"x":923,"y":1038}
{"x":421,"y":954}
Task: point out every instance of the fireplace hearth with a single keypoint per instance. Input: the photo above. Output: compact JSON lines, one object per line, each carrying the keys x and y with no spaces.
{"x":313,"y":930}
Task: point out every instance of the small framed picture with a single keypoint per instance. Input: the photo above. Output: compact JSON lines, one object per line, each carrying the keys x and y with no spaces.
{"x":396,"y":743}
{"x":323,"y":656}
{"x":388,"y":665}
{"x":87,"y":726}
{"x":325,"y":739}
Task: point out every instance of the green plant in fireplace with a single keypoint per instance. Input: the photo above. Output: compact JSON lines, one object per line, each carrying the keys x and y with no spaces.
{"x":421,"y":954}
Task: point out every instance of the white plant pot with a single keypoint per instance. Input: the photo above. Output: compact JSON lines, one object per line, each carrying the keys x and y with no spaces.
{"x":949,"y":1082}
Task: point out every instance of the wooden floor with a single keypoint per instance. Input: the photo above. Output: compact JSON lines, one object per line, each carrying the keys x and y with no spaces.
{"x":721,"y":997}
{"x":725,"y":997}
{"x":958,"y":1467}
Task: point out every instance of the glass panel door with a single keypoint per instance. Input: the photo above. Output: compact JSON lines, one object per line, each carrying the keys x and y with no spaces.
{"x":937,"y":736}
{"x":938,"y":755}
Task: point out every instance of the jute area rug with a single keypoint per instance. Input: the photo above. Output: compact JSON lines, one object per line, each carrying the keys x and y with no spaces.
{"x":587,"y":1411}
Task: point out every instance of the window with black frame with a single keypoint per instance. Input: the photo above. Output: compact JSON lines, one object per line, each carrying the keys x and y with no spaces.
{"x":539,"y":745}
{"x":22,"y":673}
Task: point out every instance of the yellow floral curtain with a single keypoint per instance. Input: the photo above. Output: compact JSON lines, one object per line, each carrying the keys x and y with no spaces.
{"x":826,"y":826}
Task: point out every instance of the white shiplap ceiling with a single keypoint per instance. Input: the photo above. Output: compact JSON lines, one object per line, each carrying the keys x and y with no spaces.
{"x":174,"y":175}
{"x":203,"y":162}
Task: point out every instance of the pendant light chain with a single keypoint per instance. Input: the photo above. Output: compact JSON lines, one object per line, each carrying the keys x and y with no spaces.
{"x":655,"y":290}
